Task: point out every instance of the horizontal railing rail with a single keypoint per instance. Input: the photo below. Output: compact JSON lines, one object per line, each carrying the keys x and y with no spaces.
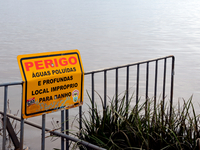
{"x":132,"y":64}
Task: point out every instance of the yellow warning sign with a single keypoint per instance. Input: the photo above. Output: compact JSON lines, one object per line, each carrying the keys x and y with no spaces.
{"x":52,"y":81}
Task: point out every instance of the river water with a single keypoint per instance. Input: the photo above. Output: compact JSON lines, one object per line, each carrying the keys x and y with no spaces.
{"x":107,"y":33}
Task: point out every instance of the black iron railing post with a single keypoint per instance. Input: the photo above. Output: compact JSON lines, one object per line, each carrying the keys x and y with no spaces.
{"x":62,"y":128}
{"x":43,"y":132}
{"x":137,"y":84}
{"x":172,"y":85}
{"x":4,"y":117}
{"x":116,"y":89}
{"x":147,"y":87}
{"x":163,"y":97}
{"x":67,"y":125}
{"x":22,"y":122}
{"x":155,"y":85}
{"x":105,"y":88}
{"x":127,"y":85}
{"x":93,"y":97}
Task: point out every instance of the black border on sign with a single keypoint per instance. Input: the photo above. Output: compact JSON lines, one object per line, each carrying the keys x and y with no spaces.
{"x":81,"y":99}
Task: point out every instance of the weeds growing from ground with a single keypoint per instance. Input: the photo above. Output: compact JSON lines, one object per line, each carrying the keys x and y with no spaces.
{"x":124,"y":127}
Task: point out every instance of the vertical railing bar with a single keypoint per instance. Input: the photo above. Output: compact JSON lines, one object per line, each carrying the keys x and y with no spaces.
{"x":4,"y":117}
{"x":164,"y":82}
{"x":155,"y":86}
{"x":22,"y":123}
{"x":67,"y":127}
{"x":172,"y":86}
{"x":93,"y":97}
{"x":163,"y":98}
{"x":62,"y":129}
{"x":147,"y":100}
{"x":22,"y":133}
{"x":116,"y":89}
{"x":43,"y":132}
{"x":80,"y":121}
{"x":147,"y":86}
{"x":105,"y":88}
{"x":127,"y":85}
{"x":137,"y":84}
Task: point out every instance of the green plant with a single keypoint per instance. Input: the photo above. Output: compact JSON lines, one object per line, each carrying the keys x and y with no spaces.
{"x":141,"y":127}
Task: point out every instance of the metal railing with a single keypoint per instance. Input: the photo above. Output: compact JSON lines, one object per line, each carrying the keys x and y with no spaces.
{"x":137,"y":88}
{"x":141,"y":67}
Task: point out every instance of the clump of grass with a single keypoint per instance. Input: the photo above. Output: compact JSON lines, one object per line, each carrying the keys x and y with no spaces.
{"x":124,"y":127}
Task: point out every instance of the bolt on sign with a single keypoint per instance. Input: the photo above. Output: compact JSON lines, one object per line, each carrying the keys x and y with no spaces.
{"x":52,"y":81}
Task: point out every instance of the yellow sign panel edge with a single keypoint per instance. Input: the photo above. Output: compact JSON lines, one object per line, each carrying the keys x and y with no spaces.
{"x":39,"y":55}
